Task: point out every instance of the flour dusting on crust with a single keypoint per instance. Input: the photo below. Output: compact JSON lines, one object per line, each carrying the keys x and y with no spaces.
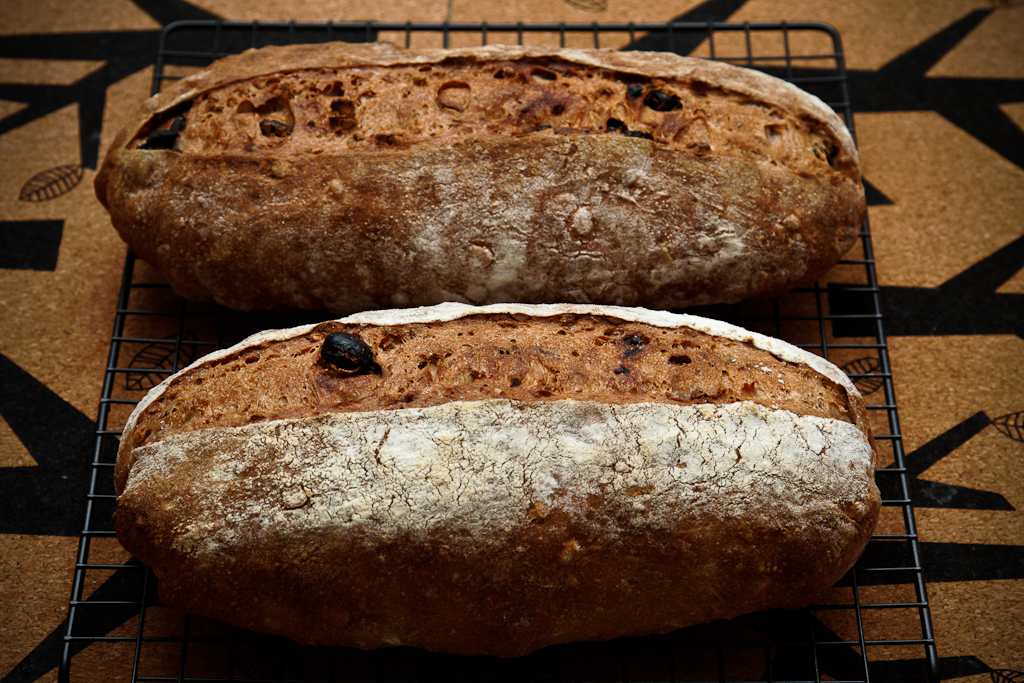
{"x":474,"y":466}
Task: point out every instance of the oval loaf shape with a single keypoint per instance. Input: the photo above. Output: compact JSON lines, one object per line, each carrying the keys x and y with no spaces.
{"x":501,"y":479}
{"x":356,"y":177}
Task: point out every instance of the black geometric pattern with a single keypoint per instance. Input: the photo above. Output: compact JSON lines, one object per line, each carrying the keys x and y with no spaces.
{"x":967,"y":303}
{"x":930,"y":494}
{"x":30,"y":245}
{"x":46,"y":499}
{"x":973,"y":104}
{"x":122,"y":53}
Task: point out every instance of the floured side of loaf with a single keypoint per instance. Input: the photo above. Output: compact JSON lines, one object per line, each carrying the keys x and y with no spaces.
{"x":353,"y":177}
{"x":499,"y":527}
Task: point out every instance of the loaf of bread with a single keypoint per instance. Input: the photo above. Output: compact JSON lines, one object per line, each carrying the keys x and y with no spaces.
{"x":494,"y":480}
{"x":356,"y":177}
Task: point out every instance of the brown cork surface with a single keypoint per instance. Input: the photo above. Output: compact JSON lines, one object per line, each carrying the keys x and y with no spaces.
{"x":937,"y":89}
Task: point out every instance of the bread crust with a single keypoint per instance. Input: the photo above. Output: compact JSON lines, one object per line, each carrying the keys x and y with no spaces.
{"x":749,"y":187}
{"x":501,"y":526}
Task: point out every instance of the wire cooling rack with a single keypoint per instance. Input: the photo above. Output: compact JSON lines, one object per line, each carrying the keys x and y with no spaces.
{"x":874,"y":625}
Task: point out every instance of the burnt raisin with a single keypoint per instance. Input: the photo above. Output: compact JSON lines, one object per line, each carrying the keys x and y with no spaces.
{"x":635,"y":90}
{"x":348,"y":354}
{"x":615,"y":125}
{"x":662,"y":101}
{"x":634,"y":345}
{"x":164,"y":139}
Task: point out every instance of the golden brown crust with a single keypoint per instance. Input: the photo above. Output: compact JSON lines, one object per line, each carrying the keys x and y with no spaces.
{"x":391,"y":178}
{"x":497,"y":523}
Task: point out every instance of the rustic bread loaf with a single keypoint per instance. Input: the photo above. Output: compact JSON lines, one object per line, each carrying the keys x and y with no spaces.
{"x":353,"y":177}
{"x":495,"y":480}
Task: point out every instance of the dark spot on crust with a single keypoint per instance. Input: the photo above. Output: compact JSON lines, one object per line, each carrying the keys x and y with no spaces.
{"x":826,"y":152}
{"x":662,"y":101}
{"x":634,"y":345}
{"x":614,"y":125}
{"x":623,"y":370}
{"x":348,"y":354}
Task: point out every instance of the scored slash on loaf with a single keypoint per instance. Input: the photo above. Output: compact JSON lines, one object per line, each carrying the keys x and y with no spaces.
{"x":354,"y":177}
{"x":493,"y":480}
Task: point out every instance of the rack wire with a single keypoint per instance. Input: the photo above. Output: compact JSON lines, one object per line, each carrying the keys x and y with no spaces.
{"x":874,"y":625}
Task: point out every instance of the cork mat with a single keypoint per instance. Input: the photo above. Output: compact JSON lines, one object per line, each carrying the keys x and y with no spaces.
{"x":936,"y":90}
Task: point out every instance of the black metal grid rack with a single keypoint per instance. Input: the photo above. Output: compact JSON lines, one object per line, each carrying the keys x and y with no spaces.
{"x":874,"y":625}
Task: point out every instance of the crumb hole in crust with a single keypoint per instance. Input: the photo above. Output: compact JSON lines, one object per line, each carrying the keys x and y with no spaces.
{"x":278,"y":109}
{"x":454,"y":95}
{"x":543,"y":74}
{"x":343,"y":107}
{"x":336,"y":89}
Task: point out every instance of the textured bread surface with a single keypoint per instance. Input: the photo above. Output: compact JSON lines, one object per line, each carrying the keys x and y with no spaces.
{"x":571,"y":490}
{"x":353,"y":177}
{"x":595,"y":358}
